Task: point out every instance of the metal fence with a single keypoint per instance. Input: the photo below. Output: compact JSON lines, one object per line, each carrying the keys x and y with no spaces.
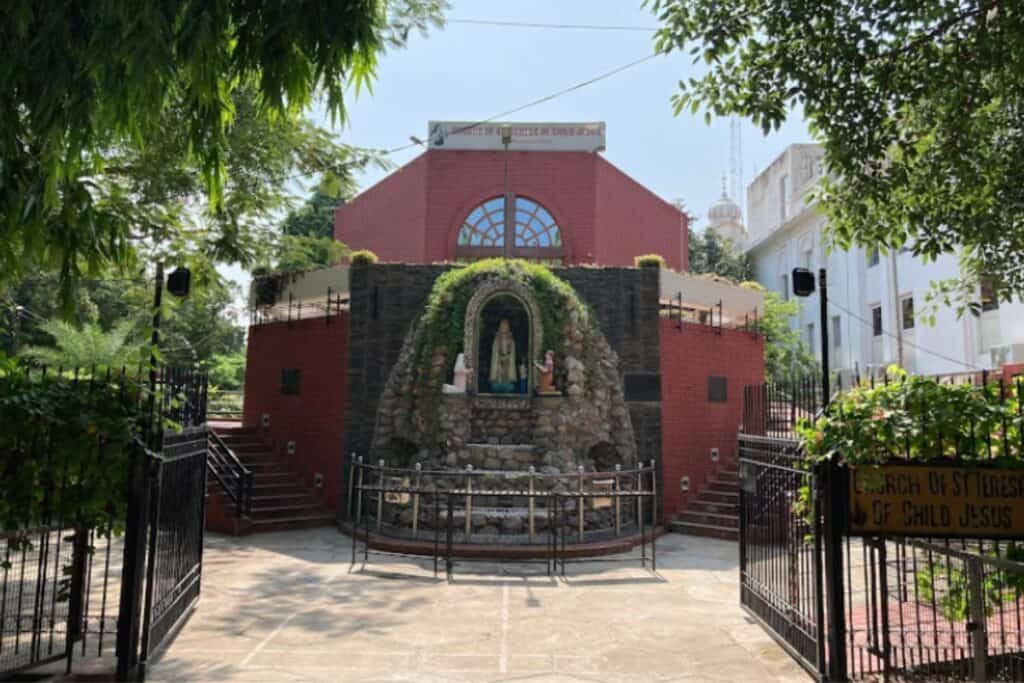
{"x":61,"y":579}
{"x":444,"y":513}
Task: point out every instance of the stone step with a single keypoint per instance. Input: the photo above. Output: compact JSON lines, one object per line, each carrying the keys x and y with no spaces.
{"x":274,"y":478}
{"x":713,"y":519}
{"x":288,"y":488}
{"x":706,"y":530}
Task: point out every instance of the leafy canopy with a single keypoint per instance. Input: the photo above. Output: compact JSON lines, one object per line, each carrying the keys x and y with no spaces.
{"x":99,"y":99}
{"x":918,"y":104}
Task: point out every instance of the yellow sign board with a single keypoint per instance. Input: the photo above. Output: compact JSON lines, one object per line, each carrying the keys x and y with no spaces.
{"x":909,"y":500}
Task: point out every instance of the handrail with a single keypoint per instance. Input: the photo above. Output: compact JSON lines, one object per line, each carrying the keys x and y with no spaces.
{"x":234,"y":478}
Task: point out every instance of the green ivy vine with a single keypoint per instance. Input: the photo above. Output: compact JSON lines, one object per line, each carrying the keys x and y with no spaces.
{"x":440,"y":326}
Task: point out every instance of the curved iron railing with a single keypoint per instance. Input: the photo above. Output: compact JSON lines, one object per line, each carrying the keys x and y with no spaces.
{"x":234,"y":478}
{"x":607,"y":504}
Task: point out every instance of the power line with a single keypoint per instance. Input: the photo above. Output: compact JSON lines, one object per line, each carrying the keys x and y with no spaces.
{"x":936,"y":354}
{"x":534,"y":103}
{"x":530,"y":24}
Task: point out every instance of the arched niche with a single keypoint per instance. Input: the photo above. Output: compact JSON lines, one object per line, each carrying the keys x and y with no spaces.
{"x":485,"y":294}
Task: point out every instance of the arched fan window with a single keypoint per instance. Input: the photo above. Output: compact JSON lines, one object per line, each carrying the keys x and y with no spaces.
{"x":531,"y":234}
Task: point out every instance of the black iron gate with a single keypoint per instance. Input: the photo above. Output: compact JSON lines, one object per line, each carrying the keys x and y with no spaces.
{"x":780,"y":547}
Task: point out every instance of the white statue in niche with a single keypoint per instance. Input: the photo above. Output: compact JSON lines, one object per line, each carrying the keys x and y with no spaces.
{"x":460,"y":372}
{"x":503,"y":358}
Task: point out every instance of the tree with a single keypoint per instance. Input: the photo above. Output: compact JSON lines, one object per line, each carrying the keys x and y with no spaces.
{"x":918,"y":105}
{"x":786,"y":354}
{"x":712,"y":254}
{"x":86,"y":347}
{"x":163,"y":82}
{"x":315,"y":218}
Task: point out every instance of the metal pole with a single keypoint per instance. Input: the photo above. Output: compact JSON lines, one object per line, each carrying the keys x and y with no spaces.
{"x":618,"y":500}
{"x":979,"y":625}
{"x":152,"y":438}
{"x":834,"y":516}
{"x":380,"y":497}
{"x":531,"y":520}
{"x":579,"y":504}
{"x":416,"y":501}
{"x":469,"y":501}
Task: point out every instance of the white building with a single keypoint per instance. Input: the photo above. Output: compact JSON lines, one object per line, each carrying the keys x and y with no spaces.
{"x":875,"y":299}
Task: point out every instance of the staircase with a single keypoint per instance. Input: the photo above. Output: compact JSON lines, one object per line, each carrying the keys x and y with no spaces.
{"x":715,"y":512}
{"x":280,"y":500}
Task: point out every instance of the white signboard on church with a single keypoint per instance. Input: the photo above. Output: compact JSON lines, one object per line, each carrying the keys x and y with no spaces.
{"x":543,"y":137}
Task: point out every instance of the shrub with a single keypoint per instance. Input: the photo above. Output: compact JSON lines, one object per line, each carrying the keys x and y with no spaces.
{"x":916,"y":418}
{"x":649,"y":261}
{"x":363,"y":257}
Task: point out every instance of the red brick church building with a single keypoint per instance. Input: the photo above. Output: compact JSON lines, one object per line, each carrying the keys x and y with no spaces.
{"x":569,"y":203}
{"x":322,"y":344}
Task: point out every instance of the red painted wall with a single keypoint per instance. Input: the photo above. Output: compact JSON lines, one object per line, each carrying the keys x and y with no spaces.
{"x":414,"y":215}
{"x":388,"y":218}
{"x":691,"y":425}
{"x":632,"y":221}
{"x":315,"y":418}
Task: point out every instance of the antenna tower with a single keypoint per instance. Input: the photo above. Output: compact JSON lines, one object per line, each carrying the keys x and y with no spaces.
{"x":736,"y":188}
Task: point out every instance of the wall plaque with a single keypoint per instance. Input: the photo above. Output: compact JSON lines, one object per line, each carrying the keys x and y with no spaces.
{"x":943,"y":501}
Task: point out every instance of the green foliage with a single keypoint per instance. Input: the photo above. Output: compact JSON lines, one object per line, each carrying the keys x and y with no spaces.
{"x":917,"y":105}
{"x":362,"y":257}
{"x":786,"y":354}
{"x":916,"y":418}
{"x":161,"y":122}
{"x":710,"y":254}
{"x":87,"y":347}
{"x":649,"y":261}
{"x":64,"y":446}
{"x":947,"y":585}
{"x":439,"y":332}
{"x":227,"y":371}
{"x":315,"y":218}
{"x":301,"y":253}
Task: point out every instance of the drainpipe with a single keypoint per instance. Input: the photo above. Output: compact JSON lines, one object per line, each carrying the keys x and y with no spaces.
{"x":898,"y":313}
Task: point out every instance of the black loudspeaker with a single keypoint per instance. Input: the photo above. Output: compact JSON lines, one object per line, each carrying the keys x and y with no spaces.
{"x":179,"y":281}
{"x":803,"y":282}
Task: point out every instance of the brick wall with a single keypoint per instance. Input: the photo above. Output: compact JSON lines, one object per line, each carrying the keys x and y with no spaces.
{"x":315,"y":418}
{"x":631,"y":220}
{"x":691,"y":425}
{"x":414,"y":214}
{"x":388,"y":218}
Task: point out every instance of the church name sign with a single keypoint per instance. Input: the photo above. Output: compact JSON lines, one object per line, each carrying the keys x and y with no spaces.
{"x":552,"y":137}
{"x":919,"y":500}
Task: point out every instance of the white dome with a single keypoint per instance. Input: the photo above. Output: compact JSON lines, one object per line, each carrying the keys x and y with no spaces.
{"x":725,"y":210}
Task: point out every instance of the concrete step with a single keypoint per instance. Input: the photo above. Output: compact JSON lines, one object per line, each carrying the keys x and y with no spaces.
{"x":288,"y":488}
{"x":274,"y":478}
{"x":306,"y":521}
{"x":713,"y":507}
{"x":284,"y":511}
{"x":268,"y":467}
{"x":721,"y":486}
{"x":297,"y":496}
{"x":709,"y":518}
{"x":720,"y":497}
{"x":705,"y":530}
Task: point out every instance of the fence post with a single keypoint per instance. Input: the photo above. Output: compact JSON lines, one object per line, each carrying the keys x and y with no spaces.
{"x":129,"y":615}
{"x":833,"y":537}
{"x":979,"y":622}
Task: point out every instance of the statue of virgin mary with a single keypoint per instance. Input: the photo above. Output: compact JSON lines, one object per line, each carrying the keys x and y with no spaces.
{"x":503,"y":355}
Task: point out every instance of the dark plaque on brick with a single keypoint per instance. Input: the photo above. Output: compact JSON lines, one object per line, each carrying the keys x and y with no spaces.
{"x":642,"y":386}
{"x":290,"y":381}
{"x":718,"y":389}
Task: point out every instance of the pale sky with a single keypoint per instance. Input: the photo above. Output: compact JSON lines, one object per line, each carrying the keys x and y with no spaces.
{"x":470,"y":72}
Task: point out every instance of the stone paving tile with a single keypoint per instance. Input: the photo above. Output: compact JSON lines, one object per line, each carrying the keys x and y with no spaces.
{"x":288,"y":607}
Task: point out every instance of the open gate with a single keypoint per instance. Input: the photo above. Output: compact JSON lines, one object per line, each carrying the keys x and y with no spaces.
{"x":780,"y":547}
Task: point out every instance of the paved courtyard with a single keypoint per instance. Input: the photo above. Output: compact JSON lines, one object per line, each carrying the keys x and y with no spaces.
{"x":289,"y":606}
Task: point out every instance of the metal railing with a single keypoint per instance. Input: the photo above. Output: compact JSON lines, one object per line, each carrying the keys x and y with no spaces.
{"x":224,"y":405}
{"x":605,"y":492}
{"x":559,"y":508}
{"x":235,"y":479}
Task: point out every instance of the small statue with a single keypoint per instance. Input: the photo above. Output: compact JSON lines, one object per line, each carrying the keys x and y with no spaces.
{"x":546,"y":375}
{"x":503,"y":360}
{"x":460,"y":372}
{"x":523,"y":377}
